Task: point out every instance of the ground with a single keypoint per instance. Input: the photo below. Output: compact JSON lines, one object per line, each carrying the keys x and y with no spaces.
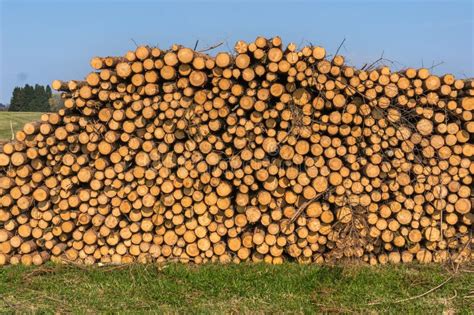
{"x":17,"y":121}
{"x":289,"y":288}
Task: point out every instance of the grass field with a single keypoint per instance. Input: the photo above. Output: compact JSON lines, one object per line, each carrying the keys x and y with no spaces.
{"x":17,"y":121}
{"x":244,"y":288}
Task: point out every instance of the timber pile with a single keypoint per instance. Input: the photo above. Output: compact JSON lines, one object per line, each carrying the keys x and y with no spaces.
{"x":269,"y":154}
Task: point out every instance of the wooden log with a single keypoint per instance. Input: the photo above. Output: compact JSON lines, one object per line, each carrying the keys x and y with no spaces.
{"x":272,"y":154}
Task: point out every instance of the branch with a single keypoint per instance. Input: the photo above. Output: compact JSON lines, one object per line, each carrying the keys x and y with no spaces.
{"x":416,"y":296}
{"x":338,"y":48}
{"x":212,"y":47}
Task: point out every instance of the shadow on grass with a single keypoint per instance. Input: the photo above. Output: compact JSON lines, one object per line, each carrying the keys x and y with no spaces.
{"x":289,"y":288}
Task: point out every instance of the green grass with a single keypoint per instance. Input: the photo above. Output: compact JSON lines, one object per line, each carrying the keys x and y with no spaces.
{"x":246,"y":288}
{"x":17,"y":119}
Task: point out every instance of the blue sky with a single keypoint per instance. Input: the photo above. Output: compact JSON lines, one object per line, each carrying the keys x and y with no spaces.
{"x":46,"y":40}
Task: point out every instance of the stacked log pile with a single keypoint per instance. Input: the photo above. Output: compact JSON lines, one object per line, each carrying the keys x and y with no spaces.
{"x":269,"y":154}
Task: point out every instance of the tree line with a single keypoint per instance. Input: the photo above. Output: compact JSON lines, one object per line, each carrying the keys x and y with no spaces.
{"x":37,"y":98}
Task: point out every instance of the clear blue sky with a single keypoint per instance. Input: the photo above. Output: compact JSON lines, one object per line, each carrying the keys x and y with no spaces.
{"x":46,"y":40}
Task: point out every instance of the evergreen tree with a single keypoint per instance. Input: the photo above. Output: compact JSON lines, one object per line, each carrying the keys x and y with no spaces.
{"x":45,"y":106}
{"x":49,"y":93}
{"x":15,"y":101}
{"x":31,"y":99}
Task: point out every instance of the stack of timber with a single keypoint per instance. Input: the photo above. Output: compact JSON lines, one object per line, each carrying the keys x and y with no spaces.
{"x":269,"y":154}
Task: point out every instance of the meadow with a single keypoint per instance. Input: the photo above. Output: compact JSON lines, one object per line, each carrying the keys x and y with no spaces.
{"x":15,"y":121}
